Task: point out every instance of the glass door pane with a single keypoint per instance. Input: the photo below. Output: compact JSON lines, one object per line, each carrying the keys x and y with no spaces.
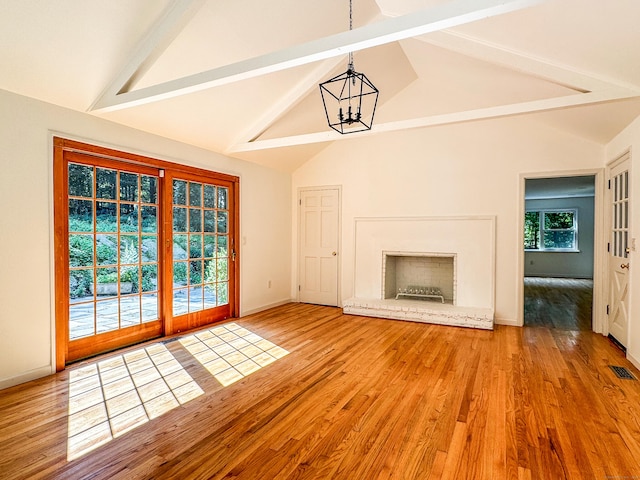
{"x":620,"y":215}
{"x":200,"y":214}
{"x":113,"y":249}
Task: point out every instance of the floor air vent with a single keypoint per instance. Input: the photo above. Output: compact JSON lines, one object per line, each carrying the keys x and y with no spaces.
{"x":622,"y":372}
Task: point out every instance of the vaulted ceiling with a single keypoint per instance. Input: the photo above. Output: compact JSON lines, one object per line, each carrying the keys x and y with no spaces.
{"x":241,"y":77}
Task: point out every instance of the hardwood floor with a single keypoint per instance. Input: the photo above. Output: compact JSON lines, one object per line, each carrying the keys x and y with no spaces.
{"x":338,"y":397}
{"x":564,"y":303}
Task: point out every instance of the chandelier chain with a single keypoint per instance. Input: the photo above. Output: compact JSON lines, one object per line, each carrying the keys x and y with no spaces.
{"x":351,"y":28}
{"x":350,"y":15}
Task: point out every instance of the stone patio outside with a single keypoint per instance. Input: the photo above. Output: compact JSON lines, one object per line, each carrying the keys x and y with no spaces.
{"x":133,"y":310}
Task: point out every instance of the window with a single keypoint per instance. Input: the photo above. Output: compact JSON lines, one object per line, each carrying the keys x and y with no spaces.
{"x":551,"y":230}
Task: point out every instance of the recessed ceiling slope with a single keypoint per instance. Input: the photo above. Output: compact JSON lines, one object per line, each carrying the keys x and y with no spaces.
{"x":598,"y":123}
{"x":441,"y":89}
{"x":64,"y":52}
{"x":583,"y":35}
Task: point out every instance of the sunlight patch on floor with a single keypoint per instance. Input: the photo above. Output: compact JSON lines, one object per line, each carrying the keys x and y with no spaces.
{"x":230,"y":352}
{"x":116,"y":395}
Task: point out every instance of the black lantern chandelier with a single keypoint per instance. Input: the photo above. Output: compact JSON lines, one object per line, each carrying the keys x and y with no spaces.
{"x":350,"y":98}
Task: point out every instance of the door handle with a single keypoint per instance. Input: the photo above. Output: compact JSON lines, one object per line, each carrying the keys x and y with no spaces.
{"x":624,"y":265}
{"x":334,"y":253}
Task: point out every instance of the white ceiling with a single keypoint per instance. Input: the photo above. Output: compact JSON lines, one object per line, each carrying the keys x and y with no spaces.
{"x":559,"y":187}
{"x":242,"y":77}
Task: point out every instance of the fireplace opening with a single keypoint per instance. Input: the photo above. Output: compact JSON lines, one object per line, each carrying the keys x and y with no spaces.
{"x":419,"y":276}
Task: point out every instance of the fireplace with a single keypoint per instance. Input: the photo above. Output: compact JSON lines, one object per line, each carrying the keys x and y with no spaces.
{"x":425,"y":269}
{"x":419,"y":276}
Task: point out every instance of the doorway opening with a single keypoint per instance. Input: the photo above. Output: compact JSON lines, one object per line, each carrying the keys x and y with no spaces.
{"x":559,"y":252}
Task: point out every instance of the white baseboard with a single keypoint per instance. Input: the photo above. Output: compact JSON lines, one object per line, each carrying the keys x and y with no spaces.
{"x":26,"y":377}
{"x":506,"y":321}
{"x":633,"y":360}
{"x":244,"y":313}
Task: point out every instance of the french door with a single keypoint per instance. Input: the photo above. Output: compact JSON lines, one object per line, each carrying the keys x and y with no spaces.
{"x":113,"y":262}
{"x":619,"y":264}
{"x":201,"y":250}
{"x":144,"y":248}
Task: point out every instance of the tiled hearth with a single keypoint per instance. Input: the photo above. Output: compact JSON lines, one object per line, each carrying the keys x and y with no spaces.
{"x":422,"y":311}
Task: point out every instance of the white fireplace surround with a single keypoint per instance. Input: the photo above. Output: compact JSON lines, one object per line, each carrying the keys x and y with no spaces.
{"x":468,"y":239}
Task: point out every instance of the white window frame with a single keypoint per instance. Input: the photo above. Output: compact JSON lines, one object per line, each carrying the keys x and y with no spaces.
{"x":542,"y":212}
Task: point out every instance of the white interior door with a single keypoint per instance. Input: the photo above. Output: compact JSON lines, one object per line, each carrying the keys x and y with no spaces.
{"x":619,"y":188}
{"x":318,"y":257}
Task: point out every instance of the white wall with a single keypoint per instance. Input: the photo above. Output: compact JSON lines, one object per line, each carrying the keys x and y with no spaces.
{"x":629,"y":138}
{"x":465,"y":169}
{"x":565,"y":264}
{"x":26,"y":263}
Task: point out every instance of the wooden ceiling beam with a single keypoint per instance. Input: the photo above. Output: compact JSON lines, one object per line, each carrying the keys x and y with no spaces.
{"x":432,"y":19}
{"x":548,"y":104}
{"x":284,"y":104}
{"x":152,"y":45}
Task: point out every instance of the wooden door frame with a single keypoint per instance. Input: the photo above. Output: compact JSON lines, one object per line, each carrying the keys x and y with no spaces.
{"x":61,"y":248}
{"x":600,"y":257}
{"x":296,"y":260}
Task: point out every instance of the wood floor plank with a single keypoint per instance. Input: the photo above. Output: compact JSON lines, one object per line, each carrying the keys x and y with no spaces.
{"x":560,"y":303}
{"x":354,"y":398}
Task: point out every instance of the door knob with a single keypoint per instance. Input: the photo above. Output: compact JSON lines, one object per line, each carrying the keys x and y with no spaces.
{"x":624,"y":265}
{"x":334,"y":253}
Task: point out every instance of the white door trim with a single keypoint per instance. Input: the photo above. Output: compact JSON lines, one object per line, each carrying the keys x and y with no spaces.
{"x":600,"y":257}
{"x":296,"y":259}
